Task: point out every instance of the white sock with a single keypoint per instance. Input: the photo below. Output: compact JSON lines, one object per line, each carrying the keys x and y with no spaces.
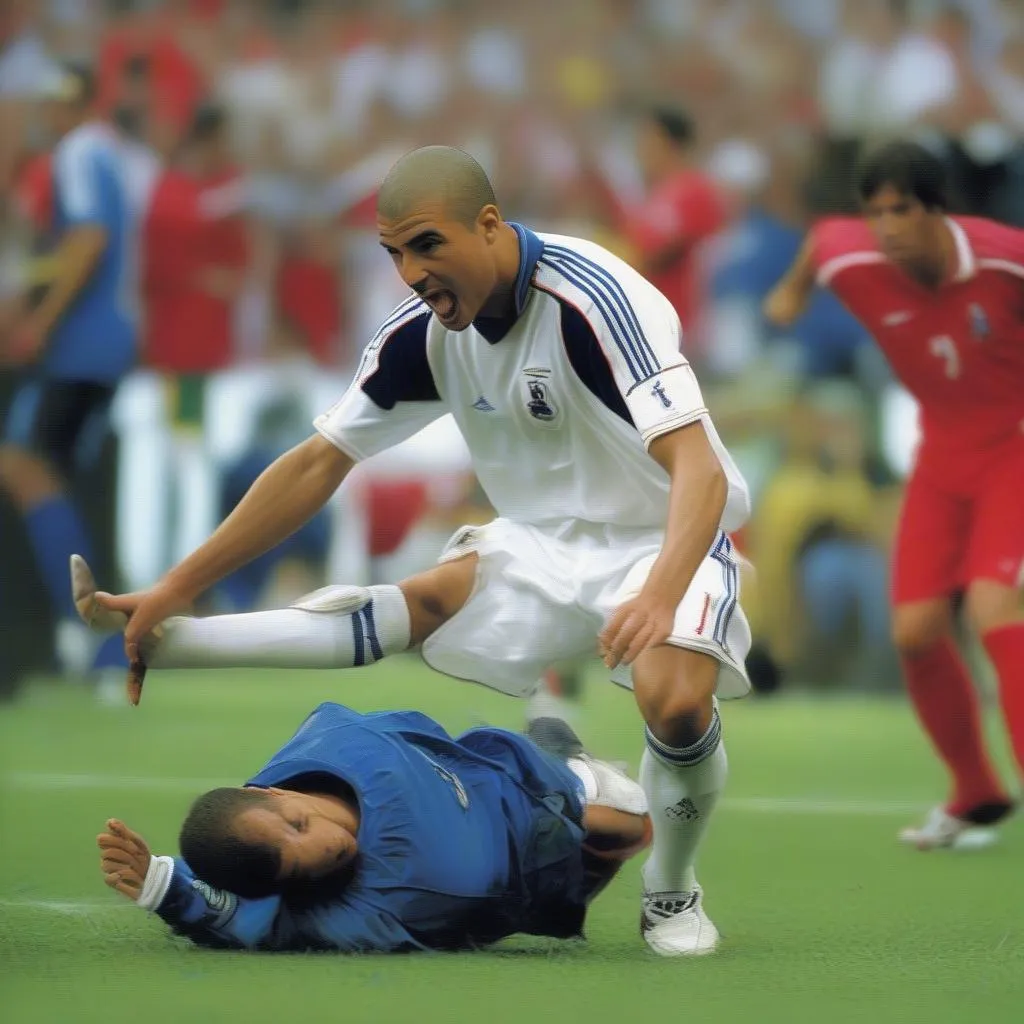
{"x":682,"y":786}
{"x":339,"y":627}
{"x":585,"y":774}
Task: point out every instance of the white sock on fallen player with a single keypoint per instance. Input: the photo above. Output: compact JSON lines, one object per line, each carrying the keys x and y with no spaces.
{"x":337,"y":627}
{"x":682,"y":786}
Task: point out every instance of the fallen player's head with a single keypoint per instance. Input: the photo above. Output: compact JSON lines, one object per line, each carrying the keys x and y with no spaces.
{"x":438,"y":219}
{"x":257,"y":842}
{"x":903,"y":192}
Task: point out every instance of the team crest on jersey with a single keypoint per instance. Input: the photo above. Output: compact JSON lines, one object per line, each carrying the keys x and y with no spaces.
{"x":980,"y":327}
{"x":539,"y":403}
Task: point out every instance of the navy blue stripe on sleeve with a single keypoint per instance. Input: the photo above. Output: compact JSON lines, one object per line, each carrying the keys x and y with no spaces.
{"x":588,"y":359}
{"x":402,"y":373}
{"x":609,"y":297}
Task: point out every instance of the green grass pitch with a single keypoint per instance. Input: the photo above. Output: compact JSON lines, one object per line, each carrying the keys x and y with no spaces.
{"x":825,"y":917}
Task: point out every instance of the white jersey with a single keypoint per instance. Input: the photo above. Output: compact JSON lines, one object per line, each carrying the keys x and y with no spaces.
{"x":557,"y":403}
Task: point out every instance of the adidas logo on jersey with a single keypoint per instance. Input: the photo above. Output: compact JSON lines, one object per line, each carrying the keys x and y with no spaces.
{"x":482,"y":405}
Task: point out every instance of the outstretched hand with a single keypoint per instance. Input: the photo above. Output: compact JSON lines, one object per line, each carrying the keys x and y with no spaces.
{"x":124,"y":858}
{"x":138,"y":615}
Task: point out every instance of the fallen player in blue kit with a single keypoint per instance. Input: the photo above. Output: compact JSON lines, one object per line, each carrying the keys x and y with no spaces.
{"x":380,"y":832}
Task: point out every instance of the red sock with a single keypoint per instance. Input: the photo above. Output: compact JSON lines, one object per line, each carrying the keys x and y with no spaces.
{"x":947,"y":706}
{"x":1005,"y":647}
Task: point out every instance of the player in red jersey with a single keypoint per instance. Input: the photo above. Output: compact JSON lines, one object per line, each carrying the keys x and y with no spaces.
{"x":944,"y":298}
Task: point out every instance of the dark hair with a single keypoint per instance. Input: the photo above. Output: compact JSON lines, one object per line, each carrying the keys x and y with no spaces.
{"x":910,"y":168}
{"x":433,"y":172}
{"x":208,"y":121}
{"x":216,"y":853}
{"x":674,"y":122}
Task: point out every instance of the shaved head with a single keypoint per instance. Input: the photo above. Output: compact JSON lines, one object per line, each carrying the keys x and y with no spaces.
{"x":435,"y":174}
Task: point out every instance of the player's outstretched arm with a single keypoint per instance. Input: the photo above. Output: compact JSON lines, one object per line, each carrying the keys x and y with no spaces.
{"x":284,"y":497}
{"x":789,"y":298}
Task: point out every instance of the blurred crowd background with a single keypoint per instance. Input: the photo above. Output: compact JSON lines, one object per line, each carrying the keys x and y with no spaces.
{"x":253,"y":134}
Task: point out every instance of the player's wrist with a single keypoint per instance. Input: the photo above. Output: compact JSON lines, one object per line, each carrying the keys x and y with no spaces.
{"x":156,"y":883}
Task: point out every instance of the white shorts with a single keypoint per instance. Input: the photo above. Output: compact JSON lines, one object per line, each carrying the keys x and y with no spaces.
{"x":542,"y":596}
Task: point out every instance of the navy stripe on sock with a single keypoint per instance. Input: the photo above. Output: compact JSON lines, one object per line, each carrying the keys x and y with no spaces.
{"x":359,"y":657}
{"x":371,"y":632}
{"x":685,"y":756}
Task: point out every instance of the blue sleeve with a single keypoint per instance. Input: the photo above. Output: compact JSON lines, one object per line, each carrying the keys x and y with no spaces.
{"x":215,"y":918}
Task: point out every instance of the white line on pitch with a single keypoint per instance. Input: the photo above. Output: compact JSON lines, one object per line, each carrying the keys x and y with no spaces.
{"x":745,"y":805}
{"x":74,"y":907}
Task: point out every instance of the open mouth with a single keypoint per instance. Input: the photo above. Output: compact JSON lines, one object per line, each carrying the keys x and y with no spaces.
{"x":444,"y":304}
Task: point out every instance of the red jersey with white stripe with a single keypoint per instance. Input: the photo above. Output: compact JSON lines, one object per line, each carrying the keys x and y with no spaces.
{"x":959,"y":348}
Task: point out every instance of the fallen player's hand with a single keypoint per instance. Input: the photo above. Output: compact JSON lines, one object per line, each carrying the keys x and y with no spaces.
{"x":125,"y":858}
{"x":641,"y":623}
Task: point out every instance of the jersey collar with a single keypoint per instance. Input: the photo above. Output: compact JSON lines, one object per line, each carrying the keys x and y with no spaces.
{"x":530,"y":249}
{"x":966,"y":264}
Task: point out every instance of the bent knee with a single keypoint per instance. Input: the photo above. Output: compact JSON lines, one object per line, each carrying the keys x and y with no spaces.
{"x":674,"y":689}
{"x":436,"y":595}
{"x":918,"y":626}
{"x":991,"y":605}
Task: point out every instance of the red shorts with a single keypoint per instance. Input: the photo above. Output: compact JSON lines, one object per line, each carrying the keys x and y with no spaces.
{"x":962,"y":520}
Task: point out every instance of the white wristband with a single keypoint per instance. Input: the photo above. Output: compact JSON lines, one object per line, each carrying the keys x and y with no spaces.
{"x":158,"y":881}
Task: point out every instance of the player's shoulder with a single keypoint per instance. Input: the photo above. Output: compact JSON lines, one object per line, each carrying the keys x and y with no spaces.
{"x":585,"y":273}
{"x":994,"y":246}
{"x":412,"y":314}
{"x":840,"y":242}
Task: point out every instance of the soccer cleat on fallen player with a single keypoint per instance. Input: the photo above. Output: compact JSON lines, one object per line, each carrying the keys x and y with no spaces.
{"x":942,"y":830}
{"x":674,"y":924}
{"x":615,"y":788}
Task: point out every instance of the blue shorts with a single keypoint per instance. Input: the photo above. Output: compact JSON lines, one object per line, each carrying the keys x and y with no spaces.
{"x":544,"y":803}
{"x":64,"y":421}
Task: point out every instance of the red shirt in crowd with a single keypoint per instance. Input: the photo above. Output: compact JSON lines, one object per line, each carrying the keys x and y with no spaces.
{"x":192,"y":230}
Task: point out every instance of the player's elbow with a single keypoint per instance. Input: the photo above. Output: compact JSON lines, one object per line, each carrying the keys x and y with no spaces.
{"x":716,"y":487}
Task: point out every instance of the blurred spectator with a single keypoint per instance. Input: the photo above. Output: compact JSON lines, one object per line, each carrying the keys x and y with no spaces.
{"x":683,"y":208}
{"x":76,"y":336}
{"x":195,"y":261}
{"x":818,"y":540}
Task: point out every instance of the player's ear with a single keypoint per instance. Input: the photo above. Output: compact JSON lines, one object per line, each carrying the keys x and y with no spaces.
{"x":488,"y":220}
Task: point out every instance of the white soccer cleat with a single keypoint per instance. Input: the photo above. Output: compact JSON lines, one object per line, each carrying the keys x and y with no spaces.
{"x":942,"y":830}
{"x":674,"y":924}
{"x":614,"y":788}
{"x":90,"y":611}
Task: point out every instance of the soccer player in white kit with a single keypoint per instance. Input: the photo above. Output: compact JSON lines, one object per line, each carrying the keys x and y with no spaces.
{"x":614,"y":496}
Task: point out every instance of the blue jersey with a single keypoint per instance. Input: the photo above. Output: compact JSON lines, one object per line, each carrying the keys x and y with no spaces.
{"x":461,"y":843}
{"x":96,"y":338}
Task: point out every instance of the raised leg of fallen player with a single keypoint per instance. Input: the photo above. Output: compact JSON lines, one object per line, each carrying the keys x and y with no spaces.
{"x":683,"y":769}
